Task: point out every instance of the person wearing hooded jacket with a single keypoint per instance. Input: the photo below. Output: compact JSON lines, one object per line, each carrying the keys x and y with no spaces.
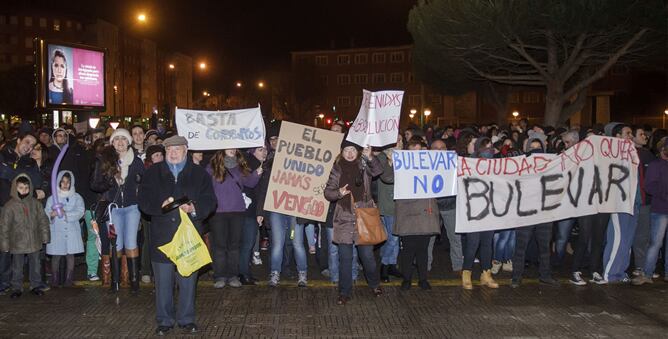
{"x":24,"y":228}
{"x":542,"y":233}
{"x":118,"y":172}
{"x":65,"y":231}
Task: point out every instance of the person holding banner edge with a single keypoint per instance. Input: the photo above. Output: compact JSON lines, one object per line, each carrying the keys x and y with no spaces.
{"x":477,"y":240}
{"x":351,"y":174}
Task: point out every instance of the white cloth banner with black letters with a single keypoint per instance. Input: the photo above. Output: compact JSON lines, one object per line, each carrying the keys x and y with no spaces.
{"x":213,"y":130}
{"x":597,"y":175}
{"x":424,"y":174}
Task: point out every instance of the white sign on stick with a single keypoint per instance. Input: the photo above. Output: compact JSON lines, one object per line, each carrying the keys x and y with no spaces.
{"x":377,"y":123}
{"x":424,"y":174}
{"x":212,"y":130}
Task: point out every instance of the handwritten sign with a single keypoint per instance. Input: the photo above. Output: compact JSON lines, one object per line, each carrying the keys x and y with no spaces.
{"x":424,"y":174}
{"x":597,"y":175}
{"x":212,"y":130}
{"x":377,"y":123}
{"x":304,"y":157}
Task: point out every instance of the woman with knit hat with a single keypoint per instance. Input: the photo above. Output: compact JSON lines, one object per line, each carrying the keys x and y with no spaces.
{"x":117,"y":174}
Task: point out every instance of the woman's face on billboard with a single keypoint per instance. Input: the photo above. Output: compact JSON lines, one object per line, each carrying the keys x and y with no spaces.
{"x":58,"y":67}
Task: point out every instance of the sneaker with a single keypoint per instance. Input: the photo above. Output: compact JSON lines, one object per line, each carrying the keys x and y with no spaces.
{"x":576,"y":279}
{"x":496,"y":266}
{"x":256,"y":259}
{"x":641,"y":280}
{"x":424,"y":285}
{"x":274,"y":278}
{"x":515,"y":283}
{"x":596,"y":278}
{"x":219,"y":284}
{"x":637,"y":272}
{"x":507,"y":266}
{"x":162,"y":330}
{"x":549,"y":281}
{"x":302,"y":279}
{"x":44,"y":287}
{"x":146,"y":279}
{"x":93,"y":277}
{"x":234,"y":282}
{"x":656,"y":276}
{"x":37,"y":291}
{"x":325,"y":273}
{"x":189,"y":328}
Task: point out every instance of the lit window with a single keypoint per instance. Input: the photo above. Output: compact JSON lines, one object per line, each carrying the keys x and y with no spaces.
{"x":396,"y":57}
{"x":397,"y":77}
{"x":56,"y":25}
{"x":378,"y":58}
{"x":378,"y":78}
{"x":321,"y":60}
{"x":360,"y":79}
{"x":28,"y":21}
{"x":361,"y":59}
{"x":343,"y":79}
{"x":343,"y":59}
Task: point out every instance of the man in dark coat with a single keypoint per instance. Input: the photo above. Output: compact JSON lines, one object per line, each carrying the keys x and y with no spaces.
{"x":172,"y":179}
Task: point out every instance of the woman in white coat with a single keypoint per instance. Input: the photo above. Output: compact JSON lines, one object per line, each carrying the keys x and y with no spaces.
{"x":65,"y":231}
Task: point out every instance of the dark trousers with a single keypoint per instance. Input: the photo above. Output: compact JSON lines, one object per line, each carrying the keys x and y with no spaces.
{"x":543,"y":235}
{"x":475,"y":240}
{"x":322,"y":248}
{"x":165,"y":274}
{"x":414,"y":247}
{"x":591,"y":238}
{"x":248,"y":237}
{"x":365,"y":253}
{"x":145,"y":248}
{"x":34,"y":270}
{"x":226,"y":230}
{"x":5,"y":269}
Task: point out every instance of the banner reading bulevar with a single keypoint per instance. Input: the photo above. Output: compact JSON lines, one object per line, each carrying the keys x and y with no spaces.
{"x":212,"y":130}
{"x":304,"y":157}
{"x":597,"y":175}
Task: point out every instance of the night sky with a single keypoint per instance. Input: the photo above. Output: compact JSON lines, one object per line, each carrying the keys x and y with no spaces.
{"x":245,"y":39}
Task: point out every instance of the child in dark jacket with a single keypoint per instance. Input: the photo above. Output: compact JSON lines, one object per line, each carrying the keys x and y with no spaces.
{"x":24,"y":229}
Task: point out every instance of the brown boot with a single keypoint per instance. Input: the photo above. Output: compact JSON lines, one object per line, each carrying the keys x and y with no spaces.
{"x":487,"y":280}
{"x":106,"y":271}
{"x":466,"y":280}
{"x":125,"y":276}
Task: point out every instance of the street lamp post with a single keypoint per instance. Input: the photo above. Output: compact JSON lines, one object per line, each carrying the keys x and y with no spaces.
{"x":665,"y":116}
{"x":425,"y":115}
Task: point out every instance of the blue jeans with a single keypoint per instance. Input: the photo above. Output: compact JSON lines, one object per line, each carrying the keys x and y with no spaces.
{"x":619,"y":240}
{"x":657,"y":238}
{"x":504,"y":245}
{"x":165,"y":274}
{"x":248,"y":239}
{"x":563,"y":234}
{"x":478,"y":240}
{"x":126,"y":222}
{"x":333,"y":261}
{"x":390,"y":250}
{"x":281,"y":227}
{"x":369,"y":262}
{"x":309,"y":229}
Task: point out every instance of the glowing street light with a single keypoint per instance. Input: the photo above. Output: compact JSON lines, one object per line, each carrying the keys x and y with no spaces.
{"x":321,"y":115}
{"x":238,"y":84}
{"x":260,"y":84}
{"x":413,"y":111}
{"x":427,"y":112}
{"x":171,"y":66}
{"x":141,"y":17}
{"x":516,"y":114}
{"x":665,"y":116}
{"x":202,"y":65}
{"x":412,"y":115}
{"x":206,"y":94}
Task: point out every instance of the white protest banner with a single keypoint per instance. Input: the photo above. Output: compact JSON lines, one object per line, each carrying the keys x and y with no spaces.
{"x":377,"y":123}
{"x":424,"y":174}
{"x":304,"y":157}
{"x":597,"y":175}
{"x":212,"y":130}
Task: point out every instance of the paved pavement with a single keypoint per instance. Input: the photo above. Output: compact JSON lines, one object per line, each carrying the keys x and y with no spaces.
{"x":447,"y":311}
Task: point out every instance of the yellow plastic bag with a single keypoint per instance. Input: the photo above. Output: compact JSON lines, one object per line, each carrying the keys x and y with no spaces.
{"x":187,"y":249}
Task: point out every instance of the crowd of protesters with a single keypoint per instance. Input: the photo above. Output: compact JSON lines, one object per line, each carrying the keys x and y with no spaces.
{"x":140,"y":171}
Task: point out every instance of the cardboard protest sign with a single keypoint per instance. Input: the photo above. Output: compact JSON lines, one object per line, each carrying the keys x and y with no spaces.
{"x":424,"y":174}
{"x":597,"y":175}
{"x":81,"y":127}
{"x":211,"y":130}
{"x":377,"y":123}
{"x":304,"y":157}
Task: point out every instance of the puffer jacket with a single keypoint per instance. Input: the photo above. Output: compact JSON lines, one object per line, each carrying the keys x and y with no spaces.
{"x":344,"y":219}
{"x":24,"y":227}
